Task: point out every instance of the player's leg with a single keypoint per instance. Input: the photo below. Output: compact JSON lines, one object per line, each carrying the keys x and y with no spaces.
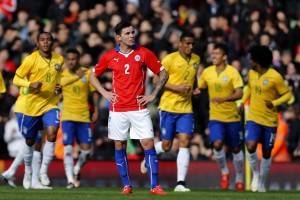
{"x":167,"y":130}
{"x":8,"y":175}
{"x":84,"y":138}
{"x":184,"y":128}
{"x":142,"y":129}
{"x":51,"y":122}
{"x":268,"y":143}
{"x":118,"y":126}
{"x":69,"y":129}
{"x":252,"y":137}
{"x":217,"y":133}
{"x":29,"y":129}
{"x":234,"y":139}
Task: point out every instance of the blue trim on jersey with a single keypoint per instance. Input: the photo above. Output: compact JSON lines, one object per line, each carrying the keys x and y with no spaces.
{"x":263,"y":134}
{"x":229,"y":132}
{"x":118,"y":49}
{"x":172,"y":123}
{"x":79,"y":130}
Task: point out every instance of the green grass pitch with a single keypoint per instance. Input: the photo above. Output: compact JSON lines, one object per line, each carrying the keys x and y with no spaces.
{"x":89,"y":193}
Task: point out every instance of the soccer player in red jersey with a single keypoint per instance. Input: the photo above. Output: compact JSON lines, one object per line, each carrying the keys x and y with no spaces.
{"x":128,"y":110}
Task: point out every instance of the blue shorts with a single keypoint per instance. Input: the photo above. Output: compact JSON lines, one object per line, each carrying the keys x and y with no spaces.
{"x":229,"y":132}
{"x":263,"y":134}
{"x":30,"y":125}
{"x":40,"y":132}
{"x":172,"y":123}
{"x":79,"y":130}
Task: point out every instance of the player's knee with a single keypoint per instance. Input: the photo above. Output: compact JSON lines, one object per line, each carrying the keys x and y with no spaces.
{"x":30,"y":142}
{"x":166,"y":146}
{"x":218,"y":145}
{"x":266,"y":153}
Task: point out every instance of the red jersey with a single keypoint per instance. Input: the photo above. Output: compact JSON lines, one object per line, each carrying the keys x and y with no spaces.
{"x":129,"y":75}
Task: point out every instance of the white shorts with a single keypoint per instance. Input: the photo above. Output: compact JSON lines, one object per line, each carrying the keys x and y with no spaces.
{"x":137,"y":123}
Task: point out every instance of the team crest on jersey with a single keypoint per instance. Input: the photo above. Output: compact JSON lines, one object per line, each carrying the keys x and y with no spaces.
{"x":225,"y":78}
{"x":83,"y":79}
{"x":195,"y":65}
{"x":265,"y":82}
{"x":137,"y":58}
{"x":56,"y":66}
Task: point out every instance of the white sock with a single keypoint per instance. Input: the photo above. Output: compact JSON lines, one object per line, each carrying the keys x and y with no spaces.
{"x":69,"y":162}
{"x":82,"y":159}
{"x":183,"y":161}
{"x":253,"y":162}
{"x":158,"y":148}
{"x":28,"y":154}
{"x":265,"y":166}
{"x":36,"y":164}
{"x":221,"y":160}
{"x":19,"y":159}
{"x":48,"y":154}
{"x":238,"y":161}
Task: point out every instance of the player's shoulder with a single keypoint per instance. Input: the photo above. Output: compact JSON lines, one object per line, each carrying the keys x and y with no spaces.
{"x":57,"y":56}
{"x":195,"y":56}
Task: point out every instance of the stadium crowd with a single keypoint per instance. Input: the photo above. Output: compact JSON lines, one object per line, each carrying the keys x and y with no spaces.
{"x":88,"y":26}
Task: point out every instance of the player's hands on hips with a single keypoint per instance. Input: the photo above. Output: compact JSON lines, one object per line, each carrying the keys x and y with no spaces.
{"x":269,"y":104}
{"x":36,"y":85}
{"x":111,"y":97}
{"x":241,"y":109}
{"x":143,"y":100}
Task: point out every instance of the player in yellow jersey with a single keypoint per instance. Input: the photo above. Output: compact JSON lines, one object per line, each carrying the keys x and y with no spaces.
{"x":266,"y":90}
{"x":176,"y":113}
{"x":225,"y":86}
{"x":8,"y":175}
{"x":76,"y":119}
{"x":42,"y":70}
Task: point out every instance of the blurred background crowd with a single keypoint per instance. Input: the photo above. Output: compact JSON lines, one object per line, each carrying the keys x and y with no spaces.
{"x":88,"y":26}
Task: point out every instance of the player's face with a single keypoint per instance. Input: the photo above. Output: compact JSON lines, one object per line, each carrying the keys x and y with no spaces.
{"x":186,"y":46}
{"x":218,"y":57}
{"x":127,"y":36}
{"x":72,"y":61}
{"x":45,"y":43}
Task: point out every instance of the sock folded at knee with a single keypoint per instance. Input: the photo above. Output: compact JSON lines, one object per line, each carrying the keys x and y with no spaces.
{"x":183,"y":161}
{"x":48,"y":154}
{"x":28,"y":154}
{"x":221,"y":160}
{"x":152,"y":166}
{"x":69,"y":162}
{"x":122,"y":164}
{"x":158,"y":148}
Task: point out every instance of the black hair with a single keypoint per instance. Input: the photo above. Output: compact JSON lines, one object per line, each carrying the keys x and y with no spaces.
{"x":262,"y":55}
{"x":186,"y":34}
{"x":120,"y":26}
{"x":221,"y":46}
{"x":44,"y":32}
{"x":73,"y":50}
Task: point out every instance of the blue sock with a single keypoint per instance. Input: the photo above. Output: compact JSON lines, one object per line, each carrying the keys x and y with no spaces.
{"x":122,"y":164}
{"x":152,"y":166}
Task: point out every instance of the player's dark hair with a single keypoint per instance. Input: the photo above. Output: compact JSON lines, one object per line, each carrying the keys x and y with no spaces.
{"x":262,"y":55}
{"x":186,"y":34}
{"x":121,"y":25}
{"x":221,"y":46}
{"x":44,"y":32}
{"x":73,"y":50}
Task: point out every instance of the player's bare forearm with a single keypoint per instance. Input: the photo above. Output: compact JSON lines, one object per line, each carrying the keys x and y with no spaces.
{"x":163,"y":78}
{"x":238,"y":94}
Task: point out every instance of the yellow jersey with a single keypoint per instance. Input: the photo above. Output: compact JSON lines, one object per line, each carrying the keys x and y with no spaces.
{"x":36,"y":68}
{"x":2,"y":84}
{"x":268,"y":86}
{"x":75,"y":92}
{"x":220,"y":85}
{"x":180,"y":70}
{"x":21,"y":100}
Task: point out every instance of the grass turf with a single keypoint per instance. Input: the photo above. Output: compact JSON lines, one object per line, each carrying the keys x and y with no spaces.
{"x":87,"y":193}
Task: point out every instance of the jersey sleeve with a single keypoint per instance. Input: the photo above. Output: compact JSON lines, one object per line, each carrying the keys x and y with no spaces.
{"x":25,"y":68}
{"x":166,"y":63}
{"x":202,"y":82}
{"x":101,"y":66}
{"x":280,"y":85}
{"x":237,"y":80}
{"x":152,"y":62}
